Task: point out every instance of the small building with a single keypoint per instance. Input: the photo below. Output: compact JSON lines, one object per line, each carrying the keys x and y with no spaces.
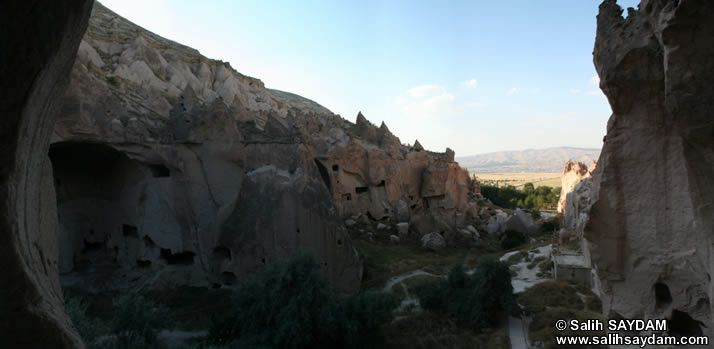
{"x":571,"y":267}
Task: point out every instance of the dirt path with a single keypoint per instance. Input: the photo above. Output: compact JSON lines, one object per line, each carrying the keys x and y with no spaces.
{"x":401,"y":277}
{"x":516,"y":333}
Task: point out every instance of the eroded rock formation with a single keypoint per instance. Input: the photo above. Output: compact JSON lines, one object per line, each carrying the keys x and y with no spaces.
{"x":573,"y":173}
{"x":652,"y":216}
{"x":36,"y":56}
{"x":172,"y":168}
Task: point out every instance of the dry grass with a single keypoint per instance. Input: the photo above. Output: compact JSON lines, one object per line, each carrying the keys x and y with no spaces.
{"x":384,"y":259}
{"x":433,"y":331}
{"x":553,"y":300}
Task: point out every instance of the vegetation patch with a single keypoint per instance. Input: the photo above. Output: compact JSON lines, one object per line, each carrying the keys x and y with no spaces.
{"x":384,"y":259}
{"x":536,"y":261}
{"x":529,"y":197}
{"x":473,"y":301}
{"x":553,"y":300}
{"x":112,"y":80}
{"x":290,"y":306}
{"x":135,"y":323}
{"x":513,"y":239}
{"x":427,"y":330}
{"x":517,"y":257}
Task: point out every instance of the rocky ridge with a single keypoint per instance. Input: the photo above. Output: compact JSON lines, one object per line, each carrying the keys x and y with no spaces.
{"x":172,"y":168}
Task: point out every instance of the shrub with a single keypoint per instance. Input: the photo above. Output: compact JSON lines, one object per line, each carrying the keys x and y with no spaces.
{"x":513,"y":238}
{"x":550,"y":226}
{"x":137,"y":320}
{"x":472,"y":301}
{"x":290,"y":306}
{"x":112,"y":80}
{"x":89,"y":329}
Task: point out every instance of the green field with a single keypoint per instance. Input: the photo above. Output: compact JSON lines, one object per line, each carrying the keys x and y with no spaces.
{"x":539,"y":179}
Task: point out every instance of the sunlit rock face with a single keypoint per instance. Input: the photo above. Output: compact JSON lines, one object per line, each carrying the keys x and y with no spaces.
{"x":652,"y":216}
{"x":174,"y":169}
{"x":573,"y":173}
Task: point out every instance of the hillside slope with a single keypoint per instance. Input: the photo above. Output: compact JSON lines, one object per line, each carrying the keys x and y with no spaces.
{"x":529,"y":160}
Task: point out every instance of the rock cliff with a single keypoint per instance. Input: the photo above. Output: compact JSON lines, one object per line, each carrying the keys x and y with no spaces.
{"x":172,"y":168}
{"x":36,"y":56}
{"x":573,"y":173}
{"x":652,"y":216}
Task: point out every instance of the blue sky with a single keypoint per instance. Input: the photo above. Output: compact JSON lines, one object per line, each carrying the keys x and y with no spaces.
{"x":476,"y":76}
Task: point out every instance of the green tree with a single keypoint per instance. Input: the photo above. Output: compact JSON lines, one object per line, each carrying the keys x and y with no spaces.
{"x":513,"y":238}
{"x":474,"y":301}
{"x":290,"y":306}
{"x":528,"y":188}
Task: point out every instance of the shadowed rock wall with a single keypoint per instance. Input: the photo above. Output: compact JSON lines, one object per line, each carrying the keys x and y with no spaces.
{"x":36,"y":54}
{"x":215,"y":176}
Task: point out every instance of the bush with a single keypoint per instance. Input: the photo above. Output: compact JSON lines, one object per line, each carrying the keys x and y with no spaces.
{"x":89,"y":329}
{"x":134,"y":324}
{"x":290,"y":306}
{"x":473,"y":301}
{"x":550,"y":226}
{"x":533,"y":199}
{"x":137,"y":321}
{"x":512,"y":239}
{"x":112,"y":80}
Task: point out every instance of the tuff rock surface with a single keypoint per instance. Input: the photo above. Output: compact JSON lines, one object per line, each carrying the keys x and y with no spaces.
{"x":36,"y":55}
{"x":651,"y":221}
{"x":573,"y":173}
{"x":173,"y":169}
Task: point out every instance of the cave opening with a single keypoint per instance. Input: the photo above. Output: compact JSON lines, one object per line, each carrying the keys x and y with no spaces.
{"x":181,"y":258}
{"x":662,"y":295}
{"x":160,"y":171}
{"x":98,"y":190}
{"x":683,"y":324}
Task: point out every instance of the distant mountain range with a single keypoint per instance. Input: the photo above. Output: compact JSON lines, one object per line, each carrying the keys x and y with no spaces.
{"x":529,"y":160}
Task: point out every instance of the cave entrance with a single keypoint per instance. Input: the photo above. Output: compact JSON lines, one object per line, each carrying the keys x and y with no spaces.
{"x":99,"y":192}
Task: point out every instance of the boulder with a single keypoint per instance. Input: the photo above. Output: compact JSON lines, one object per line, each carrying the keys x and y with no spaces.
{"x":401,"y":211}
{"x":495,"y":223}
{"x":433,"y":241}
{"x":520,"y":221}
{"x":393,"y":238}
{"x":403,"y":229}
{"x":474,"y":232}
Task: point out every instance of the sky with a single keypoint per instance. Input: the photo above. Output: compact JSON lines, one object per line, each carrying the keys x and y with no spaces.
{"x":475,"y":76}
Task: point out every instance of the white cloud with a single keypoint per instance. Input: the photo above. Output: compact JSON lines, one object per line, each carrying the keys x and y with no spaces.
{"x":471,"y":83}
{"x":474,"y":105}
{"x":574,"y":91}
{"x":439,"y":99}
{"x":424,"y":90}
{"x":513,"y":90}
{"x":428,"y":101}
{"x":597,"y":92}
{"x":595,"y":80}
